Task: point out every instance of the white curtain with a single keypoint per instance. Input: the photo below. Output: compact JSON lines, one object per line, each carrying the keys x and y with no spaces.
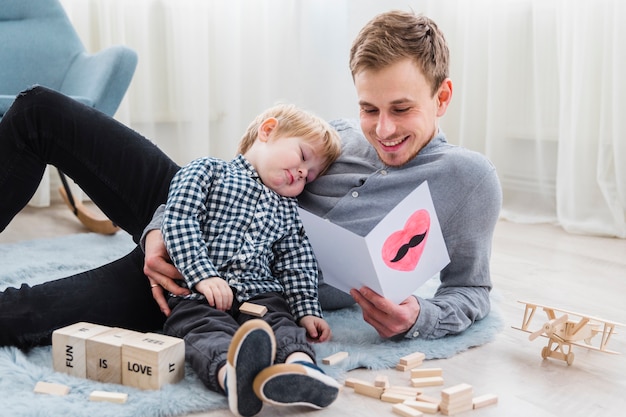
{"x":537,"y":84}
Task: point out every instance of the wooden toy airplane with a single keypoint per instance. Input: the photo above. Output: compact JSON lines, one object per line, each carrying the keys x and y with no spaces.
{"x":562,"y":332}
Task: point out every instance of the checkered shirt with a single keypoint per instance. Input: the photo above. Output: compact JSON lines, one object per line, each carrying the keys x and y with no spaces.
{"x":220,"y":220}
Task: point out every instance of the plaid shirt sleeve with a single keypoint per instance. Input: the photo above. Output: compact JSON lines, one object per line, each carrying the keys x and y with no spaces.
{"x":181,"y":228}
{"x":297,"y":269}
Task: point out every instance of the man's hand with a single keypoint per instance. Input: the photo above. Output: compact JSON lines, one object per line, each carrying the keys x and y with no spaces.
{"x":388,"y":318}
{"x":316,"y":328}
{"x":160,"y":271}
{"x":217,"y":292}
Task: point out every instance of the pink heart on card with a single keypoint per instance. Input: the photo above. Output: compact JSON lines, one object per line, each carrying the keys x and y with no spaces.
{"x":403,"y":249}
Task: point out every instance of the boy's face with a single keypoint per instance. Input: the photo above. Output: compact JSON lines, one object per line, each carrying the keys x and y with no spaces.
{"x":398,"y":111}
{"x":288,"y":163}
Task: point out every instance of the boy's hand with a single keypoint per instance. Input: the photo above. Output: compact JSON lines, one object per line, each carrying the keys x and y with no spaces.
{"x":217,"y":292}
{"x":316,"y":328}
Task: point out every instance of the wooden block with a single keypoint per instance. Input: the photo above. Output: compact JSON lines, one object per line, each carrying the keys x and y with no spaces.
{"x":403,"y":368}
{"x":69,"y":347}
{"x":394,"y":397}
{"x":351,"y":382}
{"x":450,"y":411}
{"x":381,"y":381}
{"x":406,"y":411}
{"x":423,"y":406}
{"x":409,"y":391}
{"x":335,"y":358}
{"x":51,"y":388}
{"x":104,"y":355}
{"x":152,"y":360}
{"x":455,"y":391}
{"x":429,"y":381}
{"x":369,"y":390}
{"x":426,"y":372}
{"x":253,"y":309}
{"x":460,"y":399}
{"x":412,"y":358}
{"x":484,"y":400}
{"x":428,"y":399}
{"x":112,"y":397}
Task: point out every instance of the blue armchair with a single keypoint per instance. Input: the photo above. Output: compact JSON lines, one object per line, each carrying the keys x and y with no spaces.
{"x":38,"y":45}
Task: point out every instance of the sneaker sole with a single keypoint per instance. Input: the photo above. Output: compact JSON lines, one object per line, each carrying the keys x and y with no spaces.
{"x":254,"y":344}
{"x":291,"y":384}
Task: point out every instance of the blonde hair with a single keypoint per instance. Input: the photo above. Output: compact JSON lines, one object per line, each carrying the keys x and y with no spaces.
{"x":395,"y":35}
{"x":295,"y":122}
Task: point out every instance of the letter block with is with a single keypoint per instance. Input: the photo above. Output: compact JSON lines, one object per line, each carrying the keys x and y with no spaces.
{"x":104,"y":355}
{"x":69,"y":347}
{"x":152,"y":360}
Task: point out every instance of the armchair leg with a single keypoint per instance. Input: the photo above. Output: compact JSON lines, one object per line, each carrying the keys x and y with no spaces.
{"x":93,"y":221}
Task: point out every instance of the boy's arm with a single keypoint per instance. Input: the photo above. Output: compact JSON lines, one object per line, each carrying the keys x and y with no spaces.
{"x":297,"y":269}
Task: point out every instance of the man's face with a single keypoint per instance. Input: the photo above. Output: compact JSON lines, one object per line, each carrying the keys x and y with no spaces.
{"x":398,"y":113}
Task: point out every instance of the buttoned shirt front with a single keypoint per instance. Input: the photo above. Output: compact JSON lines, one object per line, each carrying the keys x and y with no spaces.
{"x":221,"y":221}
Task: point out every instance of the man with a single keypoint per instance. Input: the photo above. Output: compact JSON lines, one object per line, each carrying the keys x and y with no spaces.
{"x":399,"y":64}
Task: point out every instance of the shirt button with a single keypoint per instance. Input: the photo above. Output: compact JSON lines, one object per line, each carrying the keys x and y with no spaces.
{"x":242,"y":257}
{"x":415,"y":334}
{"x":383,"y":172}
{"x":355,"y":194}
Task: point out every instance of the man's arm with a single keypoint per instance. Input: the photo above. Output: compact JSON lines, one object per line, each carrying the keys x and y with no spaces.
{"x":388,"y":318}
{"x":157,"y":264}
{"x":463,"y":296}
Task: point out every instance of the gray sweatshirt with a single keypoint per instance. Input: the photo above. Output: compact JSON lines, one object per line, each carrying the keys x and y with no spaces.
{"x":359,"y":190}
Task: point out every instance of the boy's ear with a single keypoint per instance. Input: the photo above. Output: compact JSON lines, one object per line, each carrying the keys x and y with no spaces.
{"x":266,"y":128}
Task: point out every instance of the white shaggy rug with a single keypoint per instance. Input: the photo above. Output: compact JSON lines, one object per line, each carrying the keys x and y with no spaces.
{"x":42,"y":260}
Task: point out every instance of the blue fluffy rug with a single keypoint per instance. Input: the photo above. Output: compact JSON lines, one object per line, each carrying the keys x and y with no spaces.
{"x":42,"y":260}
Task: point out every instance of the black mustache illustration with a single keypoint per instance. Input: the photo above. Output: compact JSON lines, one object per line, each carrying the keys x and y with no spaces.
{"x":404,"y":249}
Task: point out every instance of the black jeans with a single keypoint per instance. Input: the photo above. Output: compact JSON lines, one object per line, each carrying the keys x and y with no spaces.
{"x":125,"y":174}
{"x":208,"y":332}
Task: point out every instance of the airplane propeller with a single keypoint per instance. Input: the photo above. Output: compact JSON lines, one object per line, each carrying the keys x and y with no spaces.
{"x":549,"y":327}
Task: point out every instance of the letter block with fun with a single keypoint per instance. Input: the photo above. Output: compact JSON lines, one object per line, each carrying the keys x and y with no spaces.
{"x":104,"y":355}
{"x":69,"y":346}
{"x":152,"y":360}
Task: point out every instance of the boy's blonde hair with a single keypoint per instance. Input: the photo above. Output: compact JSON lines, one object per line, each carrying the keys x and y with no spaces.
{"x":295,"y":122}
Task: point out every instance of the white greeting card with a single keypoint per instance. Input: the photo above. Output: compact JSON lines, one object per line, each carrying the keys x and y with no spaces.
{"x":404,"y":250}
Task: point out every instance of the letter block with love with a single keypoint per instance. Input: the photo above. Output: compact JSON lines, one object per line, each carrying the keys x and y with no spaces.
{"x":152,"y":360}
{"x":69,"y":347}
{"x":104,"y":355}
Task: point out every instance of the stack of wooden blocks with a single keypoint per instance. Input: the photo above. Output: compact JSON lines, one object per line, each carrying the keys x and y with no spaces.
{"x":457,"y":399}
{"x":410,"y":401}
{"x":120,"y":356}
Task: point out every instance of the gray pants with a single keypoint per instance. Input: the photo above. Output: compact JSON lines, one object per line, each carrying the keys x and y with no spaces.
{"x":208,"y":332}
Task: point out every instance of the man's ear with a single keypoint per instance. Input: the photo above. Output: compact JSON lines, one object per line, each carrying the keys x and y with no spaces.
{"x":266,"y":128}
{"x":444,"y":95}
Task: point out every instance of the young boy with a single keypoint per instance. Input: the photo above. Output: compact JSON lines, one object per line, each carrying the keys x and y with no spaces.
{"x":233,"y":230}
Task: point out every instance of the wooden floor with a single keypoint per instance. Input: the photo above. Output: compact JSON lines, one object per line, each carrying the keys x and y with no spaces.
{"x":538,"y":263}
